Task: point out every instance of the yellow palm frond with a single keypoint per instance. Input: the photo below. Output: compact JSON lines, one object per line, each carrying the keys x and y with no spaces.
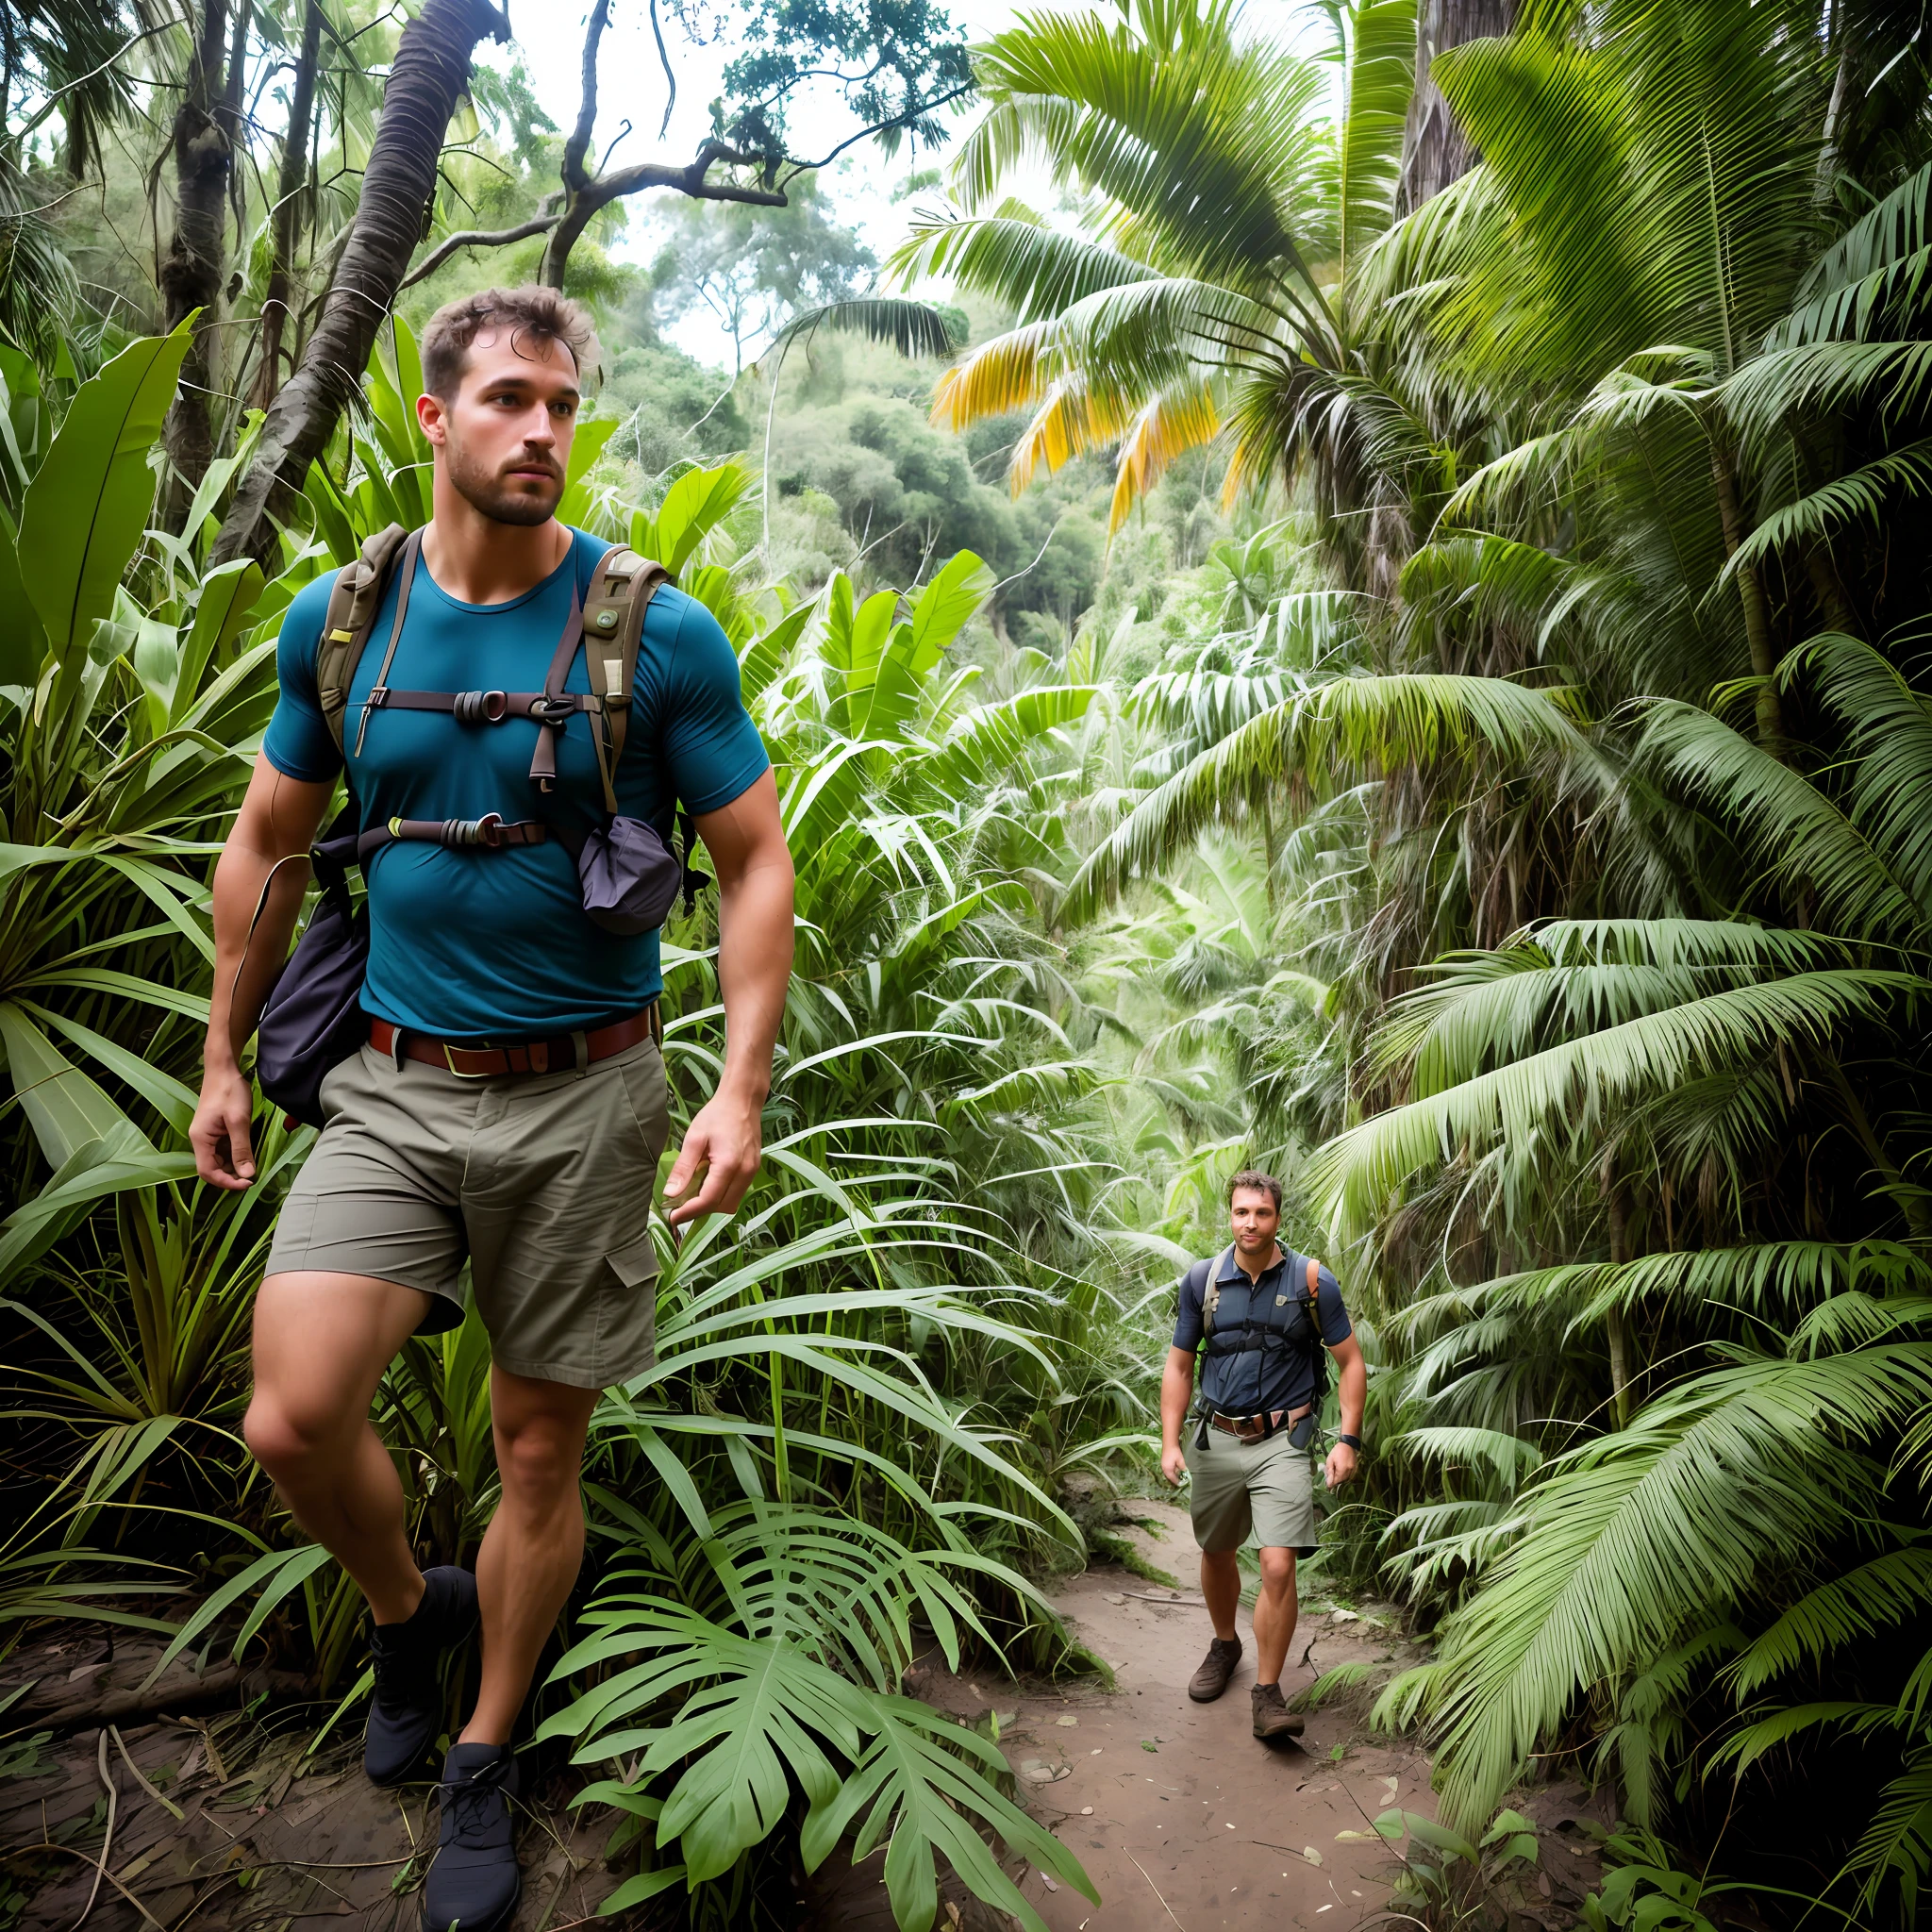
{"x":1170,"y":424}
{"x":1072,"y":422}
{"x":998,"y":376}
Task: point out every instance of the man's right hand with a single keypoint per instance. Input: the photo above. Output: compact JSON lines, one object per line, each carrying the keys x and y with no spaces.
{"x":1173,"y":1464}
{"x":224,"y":1156}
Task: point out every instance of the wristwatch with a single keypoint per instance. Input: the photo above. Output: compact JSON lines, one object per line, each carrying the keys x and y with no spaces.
{"x":1355,"y":1442}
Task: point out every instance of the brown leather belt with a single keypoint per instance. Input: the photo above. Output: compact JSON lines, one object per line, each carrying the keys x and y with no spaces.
{"x":553,"y":1056}
{"x":1252,"y":1428}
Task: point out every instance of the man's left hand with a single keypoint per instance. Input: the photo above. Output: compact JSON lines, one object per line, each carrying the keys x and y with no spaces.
{"x":1339,"y":1467}
{"x":726,"y":1143}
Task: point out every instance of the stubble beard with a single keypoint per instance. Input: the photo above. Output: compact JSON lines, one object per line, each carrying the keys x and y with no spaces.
{"x":522,"y":501}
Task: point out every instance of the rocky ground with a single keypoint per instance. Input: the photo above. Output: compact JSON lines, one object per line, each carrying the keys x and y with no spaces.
{"x":176,"y":1809}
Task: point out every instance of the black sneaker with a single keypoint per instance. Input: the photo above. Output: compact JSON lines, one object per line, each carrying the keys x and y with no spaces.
{"x":407,"y":1709}
{"x":473,"y":1882}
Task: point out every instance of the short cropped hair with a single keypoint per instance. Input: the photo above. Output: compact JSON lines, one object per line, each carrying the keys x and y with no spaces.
{"x":1253,"y":1180}
{"x":533,"y":314}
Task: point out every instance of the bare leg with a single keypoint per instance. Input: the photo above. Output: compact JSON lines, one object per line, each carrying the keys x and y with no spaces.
{"x":530,"y":1553}
{"x":1276,"y":1609}
{"x":321,"y":1342}
{"x":1221,"y":1584}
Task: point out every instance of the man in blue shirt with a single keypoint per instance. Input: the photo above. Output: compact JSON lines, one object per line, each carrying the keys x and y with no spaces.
{"x":508,"y":1109}
{"x":1259,"y":1320}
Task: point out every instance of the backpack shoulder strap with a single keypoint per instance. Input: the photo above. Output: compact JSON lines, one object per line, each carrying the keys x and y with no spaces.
{"x":353,"y":600}
{"x":1210,"y":1289}
{"x":621,"y":592}
{"x":1314,"y":1279}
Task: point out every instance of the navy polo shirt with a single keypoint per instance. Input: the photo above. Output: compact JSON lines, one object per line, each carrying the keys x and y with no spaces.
{"x":1257,"y":1381}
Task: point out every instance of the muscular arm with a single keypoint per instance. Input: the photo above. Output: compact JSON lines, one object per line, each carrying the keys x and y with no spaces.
{"x":1176,"y":1389}
{"x":278,"y":818}
{"x":746,"y":842}
{"x":1353,"y":1395}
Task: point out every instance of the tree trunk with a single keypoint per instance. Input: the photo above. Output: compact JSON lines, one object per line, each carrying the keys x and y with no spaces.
{"x":191,"y":274}
{"x":288,"y":220}
{"x":432,"y":67}
{"x":1771,"y":718}
{"x":1434,"y":151}
{"x":1619,"y":1335}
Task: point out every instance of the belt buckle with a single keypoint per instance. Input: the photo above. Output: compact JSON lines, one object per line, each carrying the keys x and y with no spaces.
{"x":448,"y":1059}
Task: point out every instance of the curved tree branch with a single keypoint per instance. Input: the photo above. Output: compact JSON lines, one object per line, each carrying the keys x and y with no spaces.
{"x":900,"y":120}
{"x":689,"y":180}
{"x":431,"y":69}
{"x":575,"y":177}
{"x":479,"y":238}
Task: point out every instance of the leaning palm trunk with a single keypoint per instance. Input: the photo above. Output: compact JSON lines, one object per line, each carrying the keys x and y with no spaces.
{"x":432,"y":67}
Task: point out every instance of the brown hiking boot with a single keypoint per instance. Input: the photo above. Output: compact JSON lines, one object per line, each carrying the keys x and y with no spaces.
{"x":1272,"y":1718}
{"x":1217,"y":1667}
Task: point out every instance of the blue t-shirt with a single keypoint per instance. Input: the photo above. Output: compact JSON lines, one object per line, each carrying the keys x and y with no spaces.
{"x":1257,"y":1381}
{"x":476,"y":945}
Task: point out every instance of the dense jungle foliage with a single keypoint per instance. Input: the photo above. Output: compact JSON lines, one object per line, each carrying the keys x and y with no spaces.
{"x":1475,"y":754}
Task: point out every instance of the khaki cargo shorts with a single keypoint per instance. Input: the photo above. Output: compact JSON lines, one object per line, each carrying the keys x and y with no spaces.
{"x":1264,"y":1487}
{"x":542,"y":1182}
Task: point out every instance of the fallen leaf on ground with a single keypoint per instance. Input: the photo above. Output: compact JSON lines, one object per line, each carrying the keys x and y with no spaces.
{"x":1311,"y":1855}
{"x":1066,"y":1724}
{"x":1356,"y":1837}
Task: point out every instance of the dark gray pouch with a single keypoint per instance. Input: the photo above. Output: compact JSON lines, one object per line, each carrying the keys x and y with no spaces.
{"x":629,"y":878}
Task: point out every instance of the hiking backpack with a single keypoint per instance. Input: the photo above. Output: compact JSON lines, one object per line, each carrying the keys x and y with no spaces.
{"x":1292,"y":1320}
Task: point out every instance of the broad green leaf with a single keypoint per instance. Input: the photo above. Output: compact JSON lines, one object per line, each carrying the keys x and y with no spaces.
{"x":587,"y":445}
{"x":961,"y":585}
{"x":86,"y":509}
{"x":226,"y":602}
{"x":167,"y":1096}
{"x":278,"y":1574}
{"x":762,"y":659}
{"x":114,"y":1164}
{"x":642,"y":1885}
{"x":695,"y":506}
{"x":66,"y":1109}
{"x":22,"y":637}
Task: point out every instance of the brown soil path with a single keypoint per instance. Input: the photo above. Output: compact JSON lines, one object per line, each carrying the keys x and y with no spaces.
{"x":1180,"y":1817}
{"x":1185,"y":1823}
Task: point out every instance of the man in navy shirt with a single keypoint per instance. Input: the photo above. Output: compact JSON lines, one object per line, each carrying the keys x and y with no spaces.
{"x":508,"y":1109}
{"x":1259,"y":1320}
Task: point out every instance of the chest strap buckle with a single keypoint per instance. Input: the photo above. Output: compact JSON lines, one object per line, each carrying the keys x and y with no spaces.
{"x":480,"y":707}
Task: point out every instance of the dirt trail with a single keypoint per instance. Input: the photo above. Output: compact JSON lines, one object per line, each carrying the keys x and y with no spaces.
{"x":1207,"y":1828}
{"x":1185,"y":1823}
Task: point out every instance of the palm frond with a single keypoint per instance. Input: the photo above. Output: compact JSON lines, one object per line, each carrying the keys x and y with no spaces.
{"x":1383,"y":721}
{"x":1375,"y":119}
{"x":1647,"y":1535}
{"x":1011,"y":255}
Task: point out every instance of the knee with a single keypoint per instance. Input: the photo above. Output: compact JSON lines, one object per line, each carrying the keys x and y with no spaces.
{"x":288,"y":1443}
{"x":538,"y":1464}
{"x":1277,"y":1572}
